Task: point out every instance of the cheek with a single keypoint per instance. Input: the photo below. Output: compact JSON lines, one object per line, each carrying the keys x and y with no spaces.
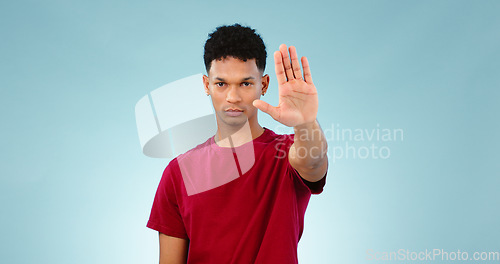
{"x":254,"y":93}
{"x":217,"y":99}
{"x":257,"y":95}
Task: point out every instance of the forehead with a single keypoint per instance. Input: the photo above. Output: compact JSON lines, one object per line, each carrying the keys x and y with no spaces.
{"x":233,"y":68}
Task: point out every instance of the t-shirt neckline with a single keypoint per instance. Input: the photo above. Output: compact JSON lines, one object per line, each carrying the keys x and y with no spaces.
{"x":267,"y":132}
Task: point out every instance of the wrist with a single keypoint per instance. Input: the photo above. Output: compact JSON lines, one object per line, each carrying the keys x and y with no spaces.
{"x":307,"y":126}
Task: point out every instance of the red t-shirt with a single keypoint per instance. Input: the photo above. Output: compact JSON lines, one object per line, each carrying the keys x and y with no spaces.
{"x":235,"y":205}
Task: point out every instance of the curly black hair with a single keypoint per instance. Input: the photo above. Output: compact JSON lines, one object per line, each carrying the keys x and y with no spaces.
{"x":235,"y":41}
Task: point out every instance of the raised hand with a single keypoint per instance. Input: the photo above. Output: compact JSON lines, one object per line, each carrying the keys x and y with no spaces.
{"x":298,"y":98}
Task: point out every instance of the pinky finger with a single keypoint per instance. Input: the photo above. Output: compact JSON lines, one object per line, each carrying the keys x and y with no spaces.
{"x":307,"y":70}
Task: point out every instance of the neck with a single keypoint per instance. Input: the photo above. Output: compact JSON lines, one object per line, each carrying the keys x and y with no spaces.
{"x":237,"y":136}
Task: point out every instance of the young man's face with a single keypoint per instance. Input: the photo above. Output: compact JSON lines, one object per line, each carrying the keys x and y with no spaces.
{"x":233,"y":85}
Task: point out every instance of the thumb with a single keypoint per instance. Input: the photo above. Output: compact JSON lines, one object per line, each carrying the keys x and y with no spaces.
{"x":266,"y":108}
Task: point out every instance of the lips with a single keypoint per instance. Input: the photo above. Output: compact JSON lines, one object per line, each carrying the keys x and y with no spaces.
{"x":233,"y":112}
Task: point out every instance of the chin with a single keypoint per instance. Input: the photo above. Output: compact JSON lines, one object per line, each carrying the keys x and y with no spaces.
{"x":235,"y":122}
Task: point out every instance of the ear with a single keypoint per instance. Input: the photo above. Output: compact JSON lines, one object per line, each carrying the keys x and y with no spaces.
{"x":206,"y":84}
{"x":265,"y":83}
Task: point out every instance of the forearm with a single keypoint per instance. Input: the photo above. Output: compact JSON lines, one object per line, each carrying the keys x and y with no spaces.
{"x":308,"y":153}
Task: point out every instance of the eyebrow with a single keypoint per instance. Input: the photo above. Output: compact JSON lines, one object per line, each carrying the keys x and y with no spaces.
{"x":244,"y":79}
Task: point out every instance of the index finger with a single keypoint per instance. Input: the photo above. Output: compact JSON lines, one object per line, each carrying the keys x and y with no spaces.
{"x":307,"y":70}
{"x":279,"y":67}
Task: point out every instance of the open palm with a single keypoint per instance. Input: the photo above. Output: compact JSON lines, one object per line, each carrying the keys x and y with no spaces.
{"x":298,"y":98}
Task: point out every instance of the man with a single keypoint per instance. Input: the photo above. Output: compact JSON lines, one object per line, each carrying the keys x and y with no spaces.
{"x":241,"y":196}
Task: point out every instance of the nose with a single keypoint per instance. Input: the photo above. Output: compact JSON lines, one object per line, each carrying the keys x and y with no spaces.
{"x":233,"y":95}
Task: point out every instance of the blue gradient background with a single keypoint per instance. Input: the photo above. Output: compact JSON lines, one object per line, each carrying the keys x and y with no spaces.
{"x":75,"y":187}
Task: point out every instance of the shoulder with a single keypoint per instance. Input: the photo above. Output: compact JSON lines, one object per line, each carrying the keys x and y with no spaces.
{"x":282,"y":140}
{"x":173,"y":168}
{"x":270,"y":136}
{"x":196,"y":151}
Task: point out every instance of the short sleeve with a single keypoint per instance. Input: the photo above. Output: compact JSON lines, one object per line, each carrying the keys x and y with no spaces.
{"x":314,"y":187}
{"x":165,"y":215}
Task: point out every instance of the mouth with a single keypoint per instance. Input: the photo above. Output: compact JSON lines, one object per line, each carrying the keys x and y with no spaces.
{"x":233,"y":111}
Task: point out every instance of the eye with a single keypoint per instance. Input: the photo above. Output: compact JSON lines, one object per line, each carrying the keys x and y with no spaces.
{"x":246,"y":84}
{"x":219,"y":84}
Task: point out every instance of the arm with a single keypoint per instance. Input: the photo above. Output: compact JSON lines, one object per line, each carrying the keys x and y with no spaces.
{"x":173,"y":250}
{"x":308,"y":152}
{"x":297,"y":108}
